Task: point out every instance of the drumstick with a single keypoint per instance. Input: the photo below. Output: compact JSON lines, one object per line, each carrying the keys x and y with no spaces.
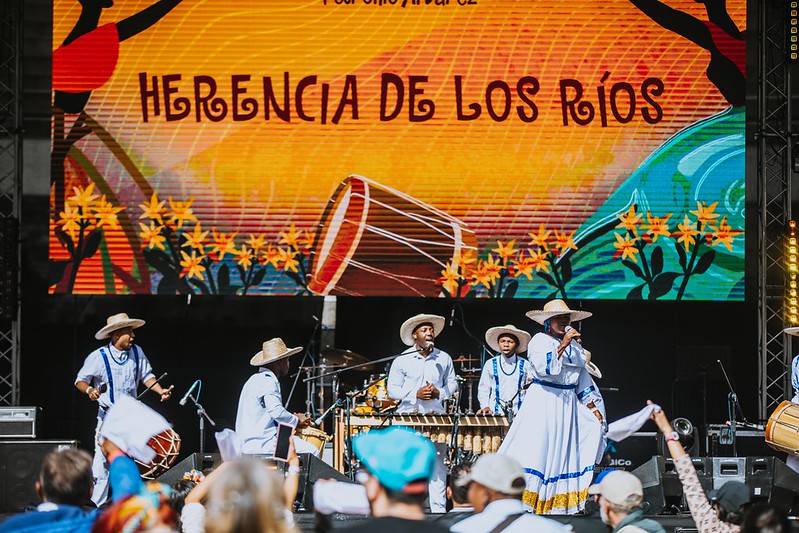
{"x":151,"y":386}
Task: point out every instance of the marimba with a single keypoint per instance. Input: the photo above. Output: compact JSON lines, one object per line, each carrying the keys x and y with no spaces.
{"x":476,"y":433}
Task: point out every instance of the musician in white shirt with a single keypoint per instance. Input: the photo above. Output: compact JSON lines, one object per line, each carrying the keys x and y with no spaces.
{"x":504,"y":375}
{"x":421,"y":381}
{"x":261,"y":404}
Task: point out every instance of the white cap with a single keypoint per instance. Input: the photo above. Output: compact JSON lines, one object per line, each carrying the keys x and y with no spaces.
{"x":497,"y":472}
{"x":620,"y":488}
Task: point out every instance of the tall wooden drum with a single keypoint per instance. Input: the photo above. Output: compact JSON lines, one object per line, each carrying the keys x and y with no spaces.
{"x":782,"y":430}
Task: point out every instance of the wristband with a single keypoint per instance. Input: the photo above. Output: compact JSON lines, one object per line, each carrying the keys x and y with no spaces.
{"x":673,"y":436}
{"x":89,"y":390}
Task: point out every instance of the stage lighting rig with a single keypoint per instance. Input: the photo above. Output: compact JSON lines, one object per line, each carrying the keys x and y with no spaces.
{"x":793,"y":31}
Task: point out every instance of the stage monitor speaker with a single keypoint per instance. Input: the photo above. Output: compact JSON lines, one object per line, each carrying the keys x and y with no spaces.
{"x":773,"y":481}
{"x":20,"y":463}
{"x":197,"y":461}
{"x":313,"y":469}
{"x":662,"y":487}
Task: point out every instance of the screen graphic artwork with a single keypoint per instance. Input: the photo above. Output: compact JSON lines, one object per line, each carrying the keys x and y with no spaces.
{"x":443,"y":148}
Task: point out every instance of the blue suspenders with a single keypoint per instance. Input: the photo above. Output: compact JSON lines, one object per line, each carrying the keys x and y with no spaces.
{"x":111,"y":377}
{"x":520,"y":365}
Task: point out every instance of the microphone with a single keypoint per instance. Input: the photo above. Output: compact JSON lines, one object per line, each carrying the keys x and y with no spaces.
{"x":568,"y":329}
{"x":188,"y":393}
{"x":452,"y":316}
{"x":429,"y":345}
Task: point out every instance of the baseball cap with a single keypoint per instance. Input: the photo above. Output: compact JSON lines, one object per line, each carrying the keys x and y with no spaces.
{"x":731,"y":496}
{"x":497,"y":472}
{"x":399,"y":458}
{"x":619,"y":488}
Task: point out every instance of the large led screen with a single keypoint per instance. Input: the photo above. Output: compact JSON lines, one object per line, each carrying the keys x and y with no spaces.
{"x":444,"y":148}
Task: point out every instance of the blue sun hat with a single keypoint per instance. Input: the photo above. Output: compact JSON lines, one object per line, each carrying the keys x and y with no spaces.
{"x":400,"y":459}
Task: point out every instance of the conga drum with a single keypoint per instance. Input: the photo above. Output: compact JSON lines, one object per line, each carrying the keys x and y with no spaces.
{"x":314,"y":436}
{"x":782,"y":430}
{"x":374,"y":240}
{"x":167,"y":447}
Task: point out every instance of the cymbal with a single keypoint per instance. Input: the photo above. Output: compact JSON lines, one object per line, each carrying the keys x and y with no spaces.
{"x":464,"y":359}
{"x":343,"y":358}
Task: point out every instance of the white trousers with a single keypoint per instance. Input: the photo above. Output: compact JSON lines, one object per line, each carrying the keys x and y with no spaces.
{"x":438,"y":483}
{"x":99,"y":471}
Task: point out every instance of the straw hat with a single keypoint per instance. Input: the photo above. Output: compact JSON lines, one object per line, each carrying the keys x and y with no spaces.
{"x":273,"y":350}
{"x":493,"y":335}
{"x":556,"y":308}
{"x":410,"y":325}
{"x":791,"y":331}
{"x":115,"y":322}
{"x":591,"y":367}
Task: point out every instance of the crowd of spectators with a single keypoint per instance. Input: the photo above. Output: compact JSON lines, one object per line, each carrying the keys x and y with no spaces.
{"x":246,"y":495}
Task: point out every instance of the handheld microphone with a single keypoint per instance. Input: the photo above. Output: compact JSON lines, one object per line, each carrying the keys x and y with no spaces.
{"x":188,"y":393}
{"x":429,"y":345}
{"x":452,"y":316}
{"x":568,"y":329}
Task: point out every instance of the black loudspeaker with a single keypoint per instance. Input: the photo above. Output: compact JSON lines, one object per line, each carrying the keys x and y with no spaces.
{"x":197,"y":461}
{"x":20,"y":463}
{"x":312,"y":469}
{"x":662,"y":487}
{"x":773,"y":481}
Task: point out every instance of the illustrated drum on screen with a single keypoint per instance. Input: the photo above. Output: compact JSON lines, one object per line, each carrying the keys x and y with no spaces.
{"x":374,"y":240}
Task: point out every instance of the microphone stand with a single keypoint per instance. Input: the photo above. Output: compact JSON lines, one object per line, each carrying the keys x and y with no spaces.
{"x":507,"y":407}
{"x":733,"y":409}
{"x":202,"y":415}
{"x":302,"y":363}
{"x":367,"y":363}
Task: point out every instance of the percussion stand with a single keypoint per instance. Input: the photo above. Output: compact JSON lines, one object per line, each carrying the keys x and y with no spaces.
{"x":202,"y":416}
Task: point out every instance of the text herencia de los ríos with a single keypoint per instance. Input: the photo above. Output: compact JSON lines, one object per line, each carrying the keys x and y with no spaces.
{"x":289,"y":98}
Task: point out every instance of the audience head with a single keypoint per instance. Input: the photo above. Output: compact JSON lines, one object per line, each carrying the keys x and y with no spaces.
{"x":179,"y":491}
{"x":494,"y":477}
{"x":146,"y":511}
{"x":66,"y":477}
{"x":397,"y":466}
{"x":620,"y":493}
{"x":731,"y":501}
{"x":247,"y":496}
{"x":765,"y":519}
{"x":457,"y":488}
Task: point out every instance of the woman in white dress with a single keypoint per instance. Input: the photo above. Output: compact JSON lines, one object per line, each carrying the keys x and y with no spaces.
{"x":553,"y":436}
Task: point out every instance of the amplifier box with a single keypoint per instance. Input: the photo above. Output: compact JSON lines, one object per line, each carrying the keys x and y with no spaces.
{"x":18,"y":422}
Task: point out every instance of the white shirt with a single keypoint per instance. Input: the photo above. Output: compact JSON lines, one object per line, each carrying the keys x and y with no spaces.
{"x":124,"y":373}
{"x":497,"y":511}
{"x":412,"y":371}
{"x":260,"y":410}
{"x":795,"y":378}
{"x":507,"y":373}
